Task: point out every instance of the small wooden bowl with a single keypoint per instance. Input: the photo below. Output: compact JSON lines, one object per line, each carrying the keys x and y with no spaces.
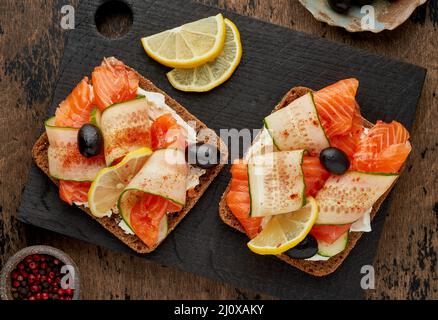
{"x":5,"y":276}
{"x":388,"y":14}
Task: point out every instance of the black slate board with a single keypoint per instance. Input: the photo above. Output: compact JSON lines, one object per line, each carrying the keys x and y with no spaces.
{"x":275,"y":59}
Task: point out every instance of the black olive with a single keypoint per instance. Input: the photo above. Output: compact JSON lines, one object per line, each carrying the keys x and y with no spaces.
{"x":202,"y":155}
{"x":305,"y":249}
{"x":340,"y":6}
{"x":334,"y":160}
{"x":90,"y":140}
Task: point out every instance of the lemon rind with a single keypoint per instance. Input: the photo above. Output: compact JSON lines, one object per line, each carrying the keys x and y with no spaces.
{"x":137,"y":153}
{"x":289,"y":245}
{"x":224,"y":77}
{"x":194,"y":62}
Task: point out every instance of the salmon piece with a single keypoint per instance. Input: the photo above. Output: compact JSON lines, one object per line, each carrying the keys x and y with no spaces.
{"x":239,"y":185}
{"x":242,"y":200}
{"x":348,"y":142}
{"x":73,"y":191}
{"x":113,"y":83}
{"x":167,"y":133}
{"x":173,"y":207}
{"x":384,"y":149}
{"x":357,"y":123}
{"x":239,"y":170}
{"x":146,"y":216}
{"x":75,"y":110}
{"x":329,"y":233}
{"x":336,"y":106}
{"x":315,"y":175}
{"x":238,"y":199}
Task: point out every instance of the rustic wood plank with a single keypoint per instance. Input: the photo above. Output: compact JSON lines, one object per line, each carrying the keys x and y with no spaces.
{"x":294,"y":59}
{"x":406,"y":263}
{"x":31,"y":46}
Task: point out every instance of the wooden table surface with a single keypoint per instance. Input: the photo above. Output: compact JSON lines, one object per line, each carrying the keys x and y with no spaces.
{"x":31,"y":47}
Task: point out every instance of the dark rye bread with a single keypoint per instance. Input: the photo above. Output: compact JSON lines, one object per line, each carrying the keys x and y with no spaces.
{"x":39,"y":154}
{"x":316,"y":268}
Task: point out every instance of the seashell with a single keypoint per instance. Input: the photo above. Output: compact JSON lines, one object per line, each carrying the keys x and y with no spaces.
{"x":388,"y":14}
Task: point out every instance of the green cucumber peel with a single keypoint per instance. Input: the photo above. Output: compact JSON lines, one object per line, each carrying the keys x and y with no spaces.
{"x":138,"y":97}
{"x":48,"y":124}
{"x":265,"y":124}
{"x":319,"y":119}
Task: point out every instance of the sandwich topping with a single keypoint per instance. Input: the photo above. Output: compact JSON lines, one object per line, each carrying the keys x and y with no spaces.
{"x":346,"y":167}
{"x":120,"y":150}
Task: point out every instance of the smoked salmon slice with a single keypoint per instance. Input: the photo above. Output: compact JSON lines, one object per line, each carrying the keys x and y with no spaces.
{"x":75,"y":110}
{"x":348,"y":142}
{"x":384,"y":149}
{"x":238,"y":199}
{"x":146,"y":216}
{"x":329,"y":233}
{"x":167,"y":133}
{"x":113,"y":82}
{"x":315,"y":175}
{"x":336,"y":106}
{"x":73,"y":191}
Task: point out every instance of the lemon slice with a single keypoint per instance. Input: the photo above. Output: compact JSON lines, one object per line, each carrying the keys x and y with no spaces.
{"x":285,"y":231}
{"x":211,"y":74}
{"x":189,"y":45}
{"x":110,"y":182}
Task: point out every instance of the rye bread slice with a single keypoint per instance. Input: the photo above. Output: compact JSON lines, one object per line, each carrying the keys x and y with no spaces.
{"x":39,"y":154}
{"x":316,"y":268}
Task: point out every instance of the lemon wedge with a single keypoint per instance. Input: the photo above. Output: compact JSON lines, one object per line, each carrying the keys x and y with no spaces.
{"x":110,"y":182}
{"x":189,"y":45}
{"x":211,"y":74}
{"x":285,"y":231}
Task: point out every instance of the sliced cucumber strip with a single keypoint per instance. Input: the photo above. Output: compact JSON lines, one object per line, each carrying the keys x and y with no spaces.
{"x":125,"y":127}
{"x":297,"y":126}
{"x":164,"y":174}
{"x":163,"y":229}
{"x":330,"y":250}
{"x":262,"y":144}
{"x":276,"y":183}
{"x":344,"y":199}
{"x":65,"y":160}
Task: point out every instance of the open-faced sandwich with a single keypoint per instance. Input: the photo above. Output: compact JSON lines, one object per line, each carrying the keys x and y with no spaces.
{"x":314,"y":178}
{"x":117,"y":148}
